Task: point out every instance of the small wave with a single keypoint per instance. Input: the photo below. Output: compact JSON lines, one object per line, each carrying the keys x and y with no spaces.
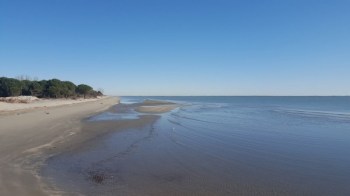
{"x":195,"y":107}
{"x":193,"y":119}
{"x":316,"y":114}
{"x":174,"y":122}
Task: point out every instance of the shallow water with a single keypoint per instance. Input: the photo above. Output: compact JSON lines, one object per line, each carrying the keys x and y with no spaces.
{"x":219,"y":146}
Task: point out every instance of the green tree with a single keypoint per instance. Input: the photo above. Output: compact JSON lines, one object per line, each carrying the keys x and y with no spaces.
{"x":36,"y":89}
{"x":55,"y":88}
{"x":10,"y":87}
{"x":2,"y":87}
{"x":84,"y":89}
{"x":25,"y":87}
{"x":68,"y":89}
{"x":44,"y":85}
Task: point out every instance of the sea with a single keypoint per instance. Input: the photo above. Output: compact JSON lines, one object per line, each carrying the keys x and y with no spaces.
{"x":217,"y":145}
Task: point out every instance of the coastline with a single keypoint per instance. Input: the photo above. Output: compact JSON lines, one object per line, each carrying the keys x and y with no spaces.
{"x":29,"y":136}
{"x":126,"y":152}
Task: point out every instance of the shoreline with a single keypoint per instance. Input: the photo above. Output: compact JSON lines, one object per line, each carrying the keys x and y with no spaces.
{"x":28,"y":138}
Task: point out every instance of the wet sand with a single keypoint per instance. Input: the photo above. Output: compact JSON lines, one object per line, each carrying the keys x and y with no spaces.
{"x":94,"y":130}
{"x":154,"y":106}
{"x":29,"y":137}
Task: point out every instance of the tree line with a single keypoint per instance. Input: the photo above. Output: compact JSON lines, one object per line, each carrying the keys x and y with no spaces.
{"x":53,"y":88}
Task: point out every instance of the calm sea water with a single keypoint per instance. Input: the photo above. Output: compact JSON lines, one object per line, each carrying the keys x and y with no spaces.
{"x":220,"y":146}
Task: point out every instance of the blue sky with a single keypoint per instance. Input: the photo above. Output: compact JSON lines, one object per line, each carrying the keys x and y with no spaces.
{"x":181,"y":47}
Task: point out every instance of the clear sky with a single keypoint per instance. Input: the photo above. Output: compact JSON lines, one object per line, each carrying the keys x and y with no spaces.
{"x":181,"y":47}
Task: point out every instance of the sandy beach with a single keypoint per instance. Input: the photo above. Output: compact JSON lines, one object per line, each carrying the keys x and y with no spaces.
{"x":35,"y":103}
{"x":27,"y":132}
{"x":31,"y":133}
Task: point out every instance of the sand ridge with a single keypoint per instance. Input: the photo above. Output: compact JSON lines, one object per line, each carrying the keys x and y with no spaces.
{"x":156,"y":106}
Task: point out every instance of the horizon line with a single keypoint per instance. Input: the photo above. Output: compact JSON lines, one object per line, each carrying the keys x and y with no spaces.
{"x":231,"y":95}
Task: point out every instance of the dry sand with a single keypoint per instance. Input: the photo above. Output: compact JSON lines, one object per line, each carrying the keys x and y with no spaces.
{"x":34,"y":103}
{"x":27,"y":133}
